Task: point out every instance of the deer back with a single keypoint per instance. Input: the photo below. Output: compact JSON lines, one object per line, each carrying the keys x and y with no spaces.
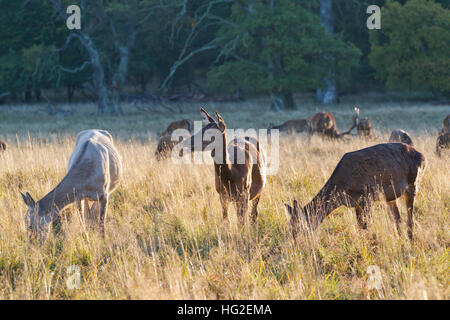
{"x":94,"y":159}
{"x":388,"y":167}
{"x":180,"y":124}
{"x":246,"y":169}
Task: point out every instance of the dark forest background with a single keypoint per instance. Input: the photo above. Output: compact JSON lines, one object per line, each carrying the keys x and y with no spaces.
{"x":223,"y":50}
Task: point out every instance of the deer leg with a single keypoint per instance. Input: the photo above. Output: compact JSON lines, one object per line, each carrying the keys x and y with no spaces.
{"x":363,"y":213}
{"x":103,"y":211}
{"x":242,"y":207}
{"x":94,"y":212}
{"x":310,"y":133}
{"x":362,"y":224}
{"x":255,"y":209}
{"x":224,"y":202}
{"x":409,"y":198}
{"x":395,"y":213}
{"x":81,"y":211}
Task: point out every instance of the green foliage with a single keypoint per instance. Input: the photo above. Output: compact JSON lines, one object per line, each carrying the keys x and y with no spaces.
{"x":280,"y":48}
{"x":411,"y":51}
{"x":26,"y":41}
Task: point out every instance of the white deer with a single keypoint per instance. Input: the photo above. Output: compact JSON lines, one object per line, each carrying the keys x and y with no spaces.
{"x":93,"y":173}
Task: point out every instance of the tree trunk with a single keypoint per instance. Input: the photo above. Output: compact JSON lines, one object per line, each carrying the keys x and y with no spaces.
{"x":99,"y":74}
{"x":328,"y":94}
{"x":120,"y":77}
{"x":276,"y":102}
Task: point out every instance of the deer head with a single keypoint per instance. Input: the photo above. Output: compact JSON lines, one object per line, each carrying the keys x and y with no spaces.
{"x":36,"y":220}
{"x":298,"y":219}
{"x":213,"y":130}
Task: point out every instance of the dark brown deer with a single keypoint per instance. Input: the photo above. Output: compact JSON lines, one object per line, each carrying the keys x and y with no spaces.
{"x":3,"y":145}
{"x":365,"y":127}
{"x":443,"y":139}
{"x":391,"y":170}
{"x":165,"y":147}
{"x":236,"y":181}
{"x":402,"y":136}
{"x":180,"y":124}
{"x":442,"y":142}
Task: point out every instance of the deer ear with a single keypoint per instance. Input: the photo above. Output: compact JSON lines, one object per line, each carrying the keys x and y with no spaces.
{"x":28,"y":199}
{"x":289,"y":210}
{"x":221,"y":122}
{"x":207,"y":119}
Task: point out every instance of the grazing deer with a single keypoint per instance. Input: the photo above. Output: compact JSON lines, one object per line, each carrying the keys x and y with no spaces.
{"x":400,"y":135}
{"x":391,"y":169}
{"x":180,"y":124}
{"x":165,"y":147}
{"x":235,"y":182}
{"x":3,"y":145}
{"x":93,"y":172}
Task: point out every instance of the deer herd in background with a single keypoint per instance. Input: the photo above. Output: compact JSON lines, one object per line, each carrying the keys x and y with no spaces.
{"x":390,"y":170}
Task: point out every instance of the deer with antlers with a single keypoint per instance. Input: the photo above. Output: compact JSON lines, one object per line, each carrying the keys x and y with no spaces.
{"x":390,"y":170}
{"x":239,"y":166}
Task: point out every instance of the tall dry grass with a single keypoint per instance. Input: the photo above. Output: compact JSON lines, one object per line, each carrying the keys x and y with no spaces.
{"x":165,"y":238}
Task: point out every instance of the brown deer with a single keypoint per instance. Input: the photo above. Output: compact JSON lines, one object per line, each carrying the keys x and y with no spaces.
{"x":442,"y":142}
{"x":165,"y":147}
{"x":93,"y":172}
{"x":3,"y":145}
{"x":236,"y":181}
{"x":180,"y":124}
{"x":322,"y":123}
{"x":400,"y":135}
{"x":391,"y":170}
{"x":443,"y":139}
{"x":325,"y":124}
{"x":364,"y":127}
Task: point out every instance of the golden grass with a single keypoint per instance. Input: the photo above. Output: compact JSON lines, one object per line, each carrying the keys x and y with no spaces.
{"x":165,"y":238}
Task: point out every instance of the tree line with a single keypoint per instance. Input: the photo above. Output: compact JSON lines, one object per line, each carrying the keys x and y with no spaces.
{"x":228,"y":48}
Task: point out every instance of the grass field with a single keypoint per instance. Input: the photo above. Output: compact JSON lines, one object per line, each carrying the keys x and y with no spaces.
{"x":164,"y":233}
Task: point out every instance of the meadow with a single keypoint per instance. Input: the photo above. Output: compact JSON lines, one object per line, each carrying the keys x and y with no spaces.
{"x":165,"y":238}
